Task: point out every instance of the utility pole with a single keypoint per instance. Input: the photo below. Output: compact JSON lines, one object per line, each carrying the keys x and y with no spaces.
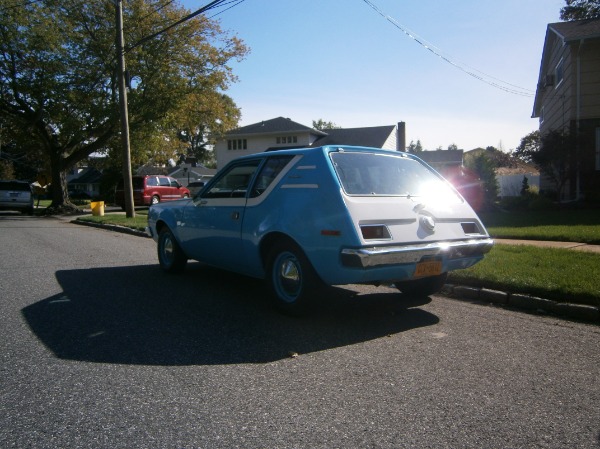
{"x":127,"y":182}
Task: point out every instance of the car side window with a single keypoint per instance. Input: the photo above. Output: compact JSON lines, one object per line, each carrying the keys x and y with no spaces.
{"x":234,"y":182}
{"x":268,"y":173}
{"x":153,"y":182}
{"x":174,"y":183}
{"x":164,"y":182}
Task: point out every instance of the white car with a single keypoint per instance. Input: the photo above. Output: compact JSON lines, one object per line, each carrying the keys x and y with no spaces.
{"x":16,"y":195}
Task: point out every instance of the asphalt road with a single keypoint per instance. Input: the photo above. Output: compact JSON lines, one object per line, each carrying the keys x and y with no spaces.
{"x":100,"y":349}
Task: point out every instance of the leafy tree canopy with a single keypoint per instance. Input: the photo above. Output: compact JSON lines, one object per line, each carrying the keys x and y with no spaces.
{"x":580,"y":9}
{"x":58,"y":80}
{"x":415,"y":148}
{"x":322,"y":124}
{"x":553,"y":153}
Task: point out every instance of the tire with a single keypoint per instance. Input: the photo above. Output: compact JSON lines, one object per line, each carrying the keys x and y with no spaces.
{"x":170,"y":255}
{"x":291,"y":279}
{"x":422,"y":287}
{"x":155,"y":200}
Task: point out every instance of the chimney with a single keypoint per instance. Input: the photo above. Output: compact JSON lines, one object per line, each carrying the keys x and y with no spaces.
{"x":401,"y":137}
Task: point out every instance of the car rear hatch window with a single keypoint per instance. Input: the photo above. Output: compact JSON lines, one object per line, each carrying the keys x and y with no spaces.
{"x":370,"y":174}
{"x":15,"y":186}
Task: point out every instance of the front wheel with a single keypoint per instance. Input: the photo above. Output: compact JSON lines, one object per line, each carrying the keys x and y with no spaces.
{"x":422,"y":287}
{"x":291,"y":279}
{"x":170,"y":255}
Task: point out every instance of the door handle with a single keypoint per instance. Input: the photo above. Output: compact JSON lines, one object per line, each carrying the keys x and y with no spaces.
{"x":235,"y":215}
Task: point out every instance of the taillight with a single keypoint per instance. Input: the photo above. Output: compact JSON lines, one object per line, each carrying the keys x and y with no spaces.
{"x":375,"y":232}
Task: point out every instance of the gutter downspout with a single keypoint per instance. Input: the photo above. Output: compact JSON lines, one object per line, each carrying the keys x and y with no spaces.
{"x":577,"y":123}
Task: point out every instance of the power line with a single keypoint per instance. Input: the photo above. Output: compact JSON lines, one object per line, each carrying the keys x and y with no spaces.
{"x":205,"y":8}
{"x":236,"y":2}
{"x":158,"y":9}
{"x":481,"y":76}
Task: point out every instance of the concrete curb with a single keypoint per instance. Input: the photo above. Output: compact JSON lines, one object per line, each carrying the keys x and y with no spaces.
{"x":529,"y":303}
{"x":110,"y":227}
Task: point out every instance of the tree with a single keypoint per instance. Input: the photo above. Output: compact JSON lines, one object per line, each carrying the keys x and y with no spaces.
{"x":485,"y":170}
{"x":415,"y":148}
{"x":524,"y":186}
{"x":530,"y":144}
{"x":553,"y":153}
{"x":7,"y":170}
{"x":452,"y":147}
{"x":322,"y":125}
{"x":580,"y":9}
{"x":58,"y":74}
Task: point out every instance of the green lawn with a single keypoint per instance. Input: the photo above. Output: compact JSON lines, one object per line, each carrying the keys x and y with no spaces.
{"x":138,"y":222}
{"x":558,"y":274}
{"x":568,"y":225}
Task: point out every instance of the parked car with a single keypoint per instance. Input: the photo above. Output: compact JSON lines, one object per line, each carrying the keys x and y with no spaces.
{"x":16,"y":195}
{"x":195,"y":187}
{"x":152,"y":189}
{"x":330,"y":215}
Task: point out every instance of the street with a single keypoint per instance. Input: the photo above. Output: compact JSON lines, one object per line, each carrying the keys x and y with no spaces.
{"x":100,"y":349}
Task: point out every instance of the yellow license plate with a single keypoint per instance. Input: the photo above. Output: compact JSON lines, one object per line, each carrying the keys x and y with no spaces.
{"x":430,"y":268}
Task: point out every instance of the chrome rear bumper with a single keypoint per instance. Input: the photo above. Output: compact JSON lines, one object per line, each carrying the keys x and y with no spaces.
{"x":413,"y":253}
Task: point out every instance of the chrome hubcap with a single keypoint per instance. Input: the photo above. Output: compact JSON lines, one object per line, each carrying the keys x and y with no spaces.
{"x":289,"y":278}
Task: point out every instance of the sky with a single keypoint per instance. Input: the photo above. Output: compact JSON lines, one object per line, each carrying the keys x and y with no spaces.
{"x":345,"y":62}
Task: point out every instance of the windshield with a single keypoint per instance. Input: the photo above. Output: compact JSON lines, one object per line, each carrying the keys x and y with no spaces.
{"x":393,"y":175}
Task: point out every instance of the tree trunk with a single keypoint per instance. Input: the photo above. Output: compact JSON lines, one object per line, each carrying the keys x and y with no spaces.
{"x":60,"y":190}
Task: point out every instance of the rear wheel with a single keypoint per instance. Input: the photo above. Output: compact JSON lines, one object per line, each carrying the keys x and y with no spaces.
{"x":422,"y":287}
{"x":155,"y":200}
{"x":291,"y":279}
{"x":170,"y":255}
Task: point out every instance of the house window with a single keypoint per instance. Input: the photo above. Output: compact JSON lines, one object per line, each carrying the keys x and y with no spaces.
{"x":597,"y":148}
{"x":559,"y":72}
{"x":237,"y":144}
{"x":282,"y":140}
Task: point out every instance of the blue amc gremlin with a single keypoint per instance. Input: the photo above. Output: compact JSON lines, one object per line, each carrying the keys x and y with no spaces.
{"x":330,"y":215}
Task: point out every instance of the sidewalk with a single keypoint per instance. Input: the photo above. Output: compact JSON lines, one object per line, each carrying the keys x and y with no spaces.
{"x":551,"y":244}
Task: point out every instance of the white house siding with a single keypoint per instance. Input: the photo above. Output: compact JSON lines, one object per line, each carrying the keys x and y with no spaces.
{"x":391,"y":143}
{"x":257,"y":144}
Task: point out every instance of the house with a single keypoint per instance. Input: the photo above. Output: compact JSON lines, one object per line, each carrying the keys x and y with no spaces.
{"x":86,"y":182}
{"x":190,"y":171}
{"x":282,"y":133}
{"x":443,"y":161}
{"x":568,"y":99}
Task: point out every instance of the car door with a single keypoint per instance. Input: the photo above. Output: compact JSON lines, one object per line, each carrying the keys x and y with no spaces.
{"x":212,"y":226}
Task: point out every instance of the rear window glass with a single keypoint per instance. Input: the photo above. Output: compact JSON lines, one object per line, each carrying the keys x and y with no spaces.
{"x":377,"y":174}
{"x":15,"y":185}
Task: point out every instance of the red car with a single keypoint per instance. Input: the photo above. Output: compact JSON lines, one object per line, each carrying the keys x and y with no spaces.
{"x":152,"y":189}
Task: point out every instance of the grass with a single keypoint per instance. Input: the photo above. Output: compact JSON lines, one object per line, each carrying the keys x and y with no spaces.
{"x":557,"y":274}
{"x":568,"y":225}
{"x":138,"y":222}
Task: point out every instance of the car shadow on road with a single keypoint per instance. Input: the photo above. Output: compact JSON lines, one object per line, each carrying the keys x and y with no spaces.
{"x":139,"y":315}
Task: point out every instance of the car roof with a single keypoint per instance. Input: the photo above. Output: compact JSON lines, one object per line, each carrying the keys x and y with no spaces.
{"x":324,"y":149}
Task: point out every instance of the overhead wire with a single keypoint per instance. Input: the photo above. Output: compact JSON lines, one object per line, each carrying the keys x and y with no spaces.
{"x":236,"y":2}
{"x":207,"y":7}
{"x":477,"y":74}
